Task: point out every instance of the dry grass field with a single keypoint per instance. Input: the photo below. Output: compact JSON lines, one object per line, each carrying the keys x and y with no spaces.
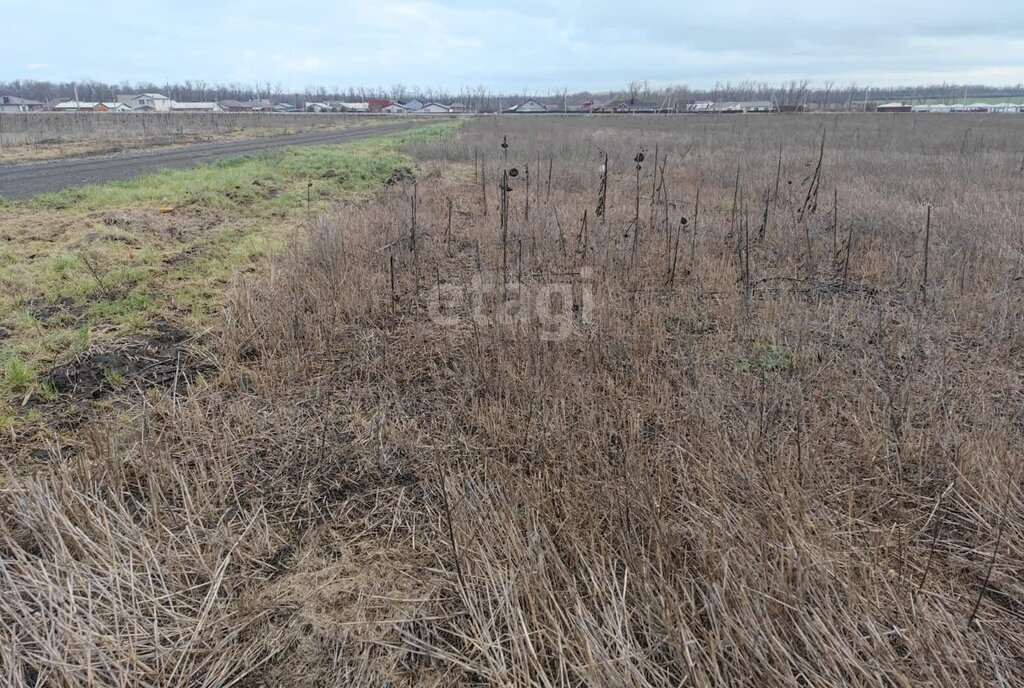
{"x":746,"y":412}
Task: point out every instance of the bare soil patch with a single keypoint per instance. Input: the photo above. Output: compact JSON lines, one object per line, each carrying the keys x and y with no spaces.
{"x":162,"y":359}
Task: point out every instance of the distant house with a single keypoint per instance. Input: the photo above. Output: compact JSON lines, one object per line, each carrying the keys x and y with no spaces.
{"x":413,"y":105}
{"x":434,"y":109}
{"x":147,"y":102}
{"x":74,"y":106}
{"x":629,"y":107}
{"x":670,"y":104}
{"x":90,"y":106}
{"x":600,"y":106}
{"x":394,"y":109}
{"x":210,"y":106}
{"x":740,"y":107}
{"x":344,"y":106}
{"x":378,"y":104}
{"x":527,"y":107}
{"x":284,"y":107}
{"x":1005,"y":107}
{"x":894,"y":107}
{"x":230,"y":105}
{"x":317,"y":107}
{"x":457,"y":107}
{"x":759,"y":106}
{"x":16,"y":104}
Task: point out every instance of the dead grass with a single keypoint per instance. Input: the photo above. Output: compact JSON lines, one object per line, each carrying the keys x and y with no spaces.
{"x":782,"y":467}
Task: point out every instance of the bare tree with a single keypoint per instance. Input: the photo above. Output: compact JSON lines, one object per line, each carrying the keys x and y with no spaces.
{"x":828,"y":92}
{"x":801,"y":92}
{"x":852,"y":91}
{"x":635,"y":88}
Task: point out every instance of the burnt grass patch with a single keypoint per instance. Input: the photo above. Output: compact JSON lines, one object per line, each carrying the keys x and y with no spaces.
{"x":63,"y":310}
{"x":162,"y":359}
{"x":399,"y":175}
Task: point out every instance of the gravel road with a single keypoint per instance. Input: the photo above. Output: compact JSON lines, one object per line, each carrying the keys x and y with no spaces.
{"x":22,"y":181}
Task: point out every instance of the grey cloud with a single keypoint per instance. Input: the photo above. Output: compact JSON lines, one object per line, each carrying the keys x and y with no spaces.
{"x":538,"y":44}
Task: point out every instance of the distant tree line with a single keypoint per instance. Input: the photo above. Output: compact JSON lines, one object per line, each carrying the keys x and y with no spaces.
{"x":829,"y":94}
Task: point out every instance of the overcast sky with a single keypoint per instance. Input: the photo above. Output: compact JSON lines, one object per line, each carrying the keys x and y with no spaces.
{"x":513,"y":45}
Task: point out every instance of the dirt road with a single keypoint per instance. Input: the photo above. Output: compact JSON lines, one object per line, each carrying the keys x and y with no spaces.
{"x":26,"y":180}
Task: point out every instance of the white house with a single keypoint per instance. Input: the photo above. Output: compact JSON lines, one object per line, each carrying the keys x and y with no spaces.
{"x":394,"y":109}
{"x":317,"y":107}
{"x":147,"y":102}
{"x":75,"y":106}
{"x":758,"y":106}
{"x":413,"y":105}
{"x":350,"y":107}
{"x":434,"y":109}
{"x":526,"y":106}
{"x":195,"y":107}
{"x":16,"y":104}
{"x":90,"y":106}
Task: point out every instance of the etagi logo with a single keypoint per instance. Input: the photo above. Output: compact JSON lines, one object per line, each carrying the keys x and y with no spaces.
{"x":561,"y":309}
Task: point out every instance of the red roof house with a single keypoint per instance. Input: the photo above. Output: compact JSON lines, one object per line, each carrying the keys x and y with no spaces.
{"x":378,"y":104}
